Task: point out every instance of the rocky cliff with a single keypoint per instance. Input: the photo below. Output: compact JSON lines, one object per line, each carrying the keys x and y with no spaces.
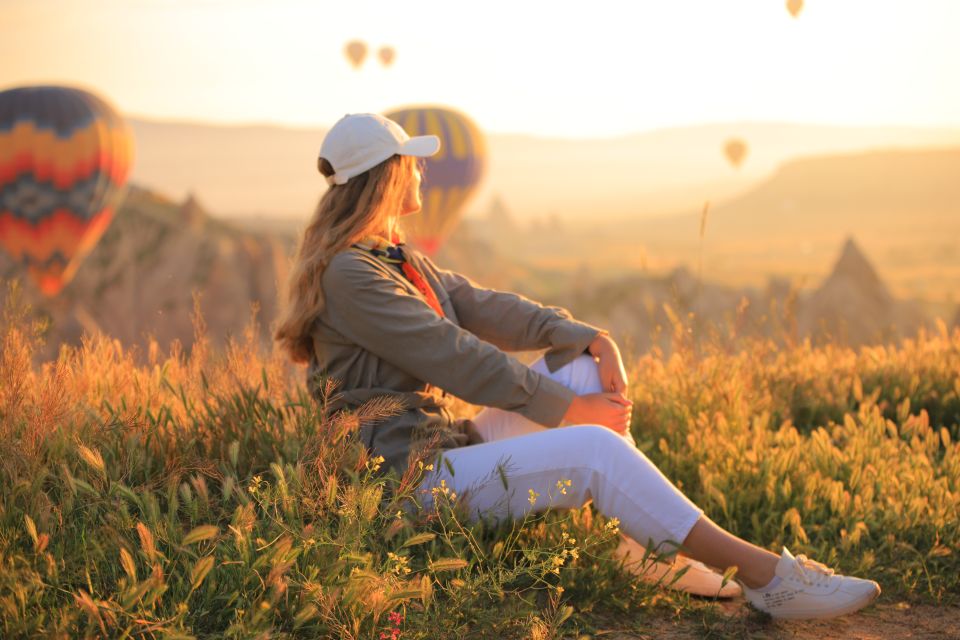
{"x":157,"y":258}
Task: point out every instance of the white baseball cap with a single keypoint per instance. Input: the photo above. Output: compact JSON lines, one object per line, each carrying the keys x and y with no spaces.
{"x":361,"y":141}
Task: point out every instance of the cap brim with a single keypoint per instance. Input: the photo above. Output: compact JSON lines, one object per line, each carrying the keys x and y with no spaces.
{"x":420,"y":146}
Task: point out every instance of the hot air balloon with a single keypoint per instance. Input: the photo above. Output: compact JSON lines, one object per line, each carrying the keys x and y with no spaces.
{"x":794,"y":7}
{"x":386,"y":55}
{"x":64,"y":158}
{"x":356,"y":52}
{"x":735,"y":150}
{"x":451,"y":175}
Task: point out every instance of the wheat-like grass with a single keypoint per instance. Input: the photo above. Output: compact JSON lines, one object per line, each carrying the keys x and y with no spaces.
{"x":208,"y":494}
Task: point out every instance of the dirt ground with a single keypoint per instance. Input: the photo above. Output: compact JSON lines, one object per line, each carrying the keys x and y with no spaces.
{"x":886,"y":621}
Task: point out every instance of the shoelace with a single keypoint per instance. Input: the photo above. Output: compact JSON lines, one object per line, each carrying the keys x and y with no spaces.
{"x":810,"y":571}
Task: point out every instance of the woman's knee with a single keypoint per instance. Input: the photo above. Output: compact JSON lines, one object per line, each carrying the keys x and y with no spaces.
{"x":581,"y":374}
{"x":595,"y":438}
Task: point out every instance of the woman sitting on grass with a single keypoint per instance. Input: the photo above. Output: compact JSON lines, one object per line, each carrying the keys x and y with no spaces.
{"x":386,"y":321}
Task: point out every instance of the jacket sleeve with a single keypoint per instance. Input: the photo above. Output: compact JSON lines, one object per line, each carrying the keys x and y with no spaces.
{"x":380,"y":315}
{"x":515,"y":323}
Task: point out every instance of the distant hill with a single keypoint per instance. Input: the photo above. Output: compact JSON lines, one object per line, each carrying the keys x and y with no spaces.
{"x":141,"y":277}
{"x":251,"y":171}
{"x":877,"y":191}
{"x":902,"y":205}
{"x":669,"y":170}
{"x":270,"y":171}
{"x":852,"y":306}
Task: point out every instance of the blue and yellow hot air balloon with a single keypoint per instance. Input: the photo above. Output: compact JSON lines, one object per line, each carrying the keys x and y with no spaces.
{"x":450,"y":177}
{"x":64,"y":156}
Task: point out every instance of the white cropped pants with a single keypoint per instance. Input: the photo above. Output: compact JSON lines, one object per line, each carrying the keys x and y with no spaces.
{"x":600,"y":465}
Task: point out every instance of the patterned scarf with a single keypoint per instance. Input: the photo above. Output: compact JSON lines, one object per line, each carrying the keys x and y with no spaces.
{"x":392,"y":253}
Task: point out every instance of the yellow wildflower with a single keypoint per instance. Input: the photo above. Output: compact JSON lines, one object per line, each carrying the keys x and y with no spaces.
{"x":557,"y":563}
{"x":613,"y":525}
{"x":400,"y":563}
{"x":444,"y":490}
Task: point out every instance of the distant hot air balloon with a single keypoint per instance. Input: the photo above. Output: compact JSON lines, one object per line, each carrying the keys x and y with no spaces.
{"x":64,"y":157}
{"x":735,"y":150}
{"x":451,"y":175}
{"x":356,"y":52}
{"x":794,"y":7}
{"x":386,"y":55}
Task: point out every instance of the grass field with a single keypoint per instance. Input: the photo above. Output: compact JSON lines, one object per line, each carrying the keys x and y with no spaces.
{"x":171,"y":495}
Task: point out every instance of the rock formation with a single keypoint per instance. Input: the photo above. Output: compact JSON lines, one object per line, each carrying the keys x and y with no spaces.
{"x":853,"y":306}
{"x":141,"y":278}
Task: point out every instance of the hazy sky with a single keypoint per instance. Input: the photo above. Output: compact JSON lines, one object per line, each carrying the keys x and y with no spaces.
{"x":555,"y":68}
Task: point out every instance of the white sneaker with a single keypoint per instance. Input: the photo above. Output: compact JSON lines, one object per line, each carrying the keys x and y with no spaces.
{"x":698,"y":579}
{"x":808,"y":589}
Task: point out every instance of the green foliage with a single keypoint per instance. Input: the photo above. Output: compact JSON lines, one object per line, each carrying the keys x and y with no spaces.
{"x":210,"y":496}
{"x":850,"y":457}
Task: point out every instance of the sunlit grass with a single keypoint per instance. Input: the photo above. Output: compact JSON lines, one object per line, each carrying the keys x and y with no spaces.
{"x":166,"y":494}
{"x":850,"y":457}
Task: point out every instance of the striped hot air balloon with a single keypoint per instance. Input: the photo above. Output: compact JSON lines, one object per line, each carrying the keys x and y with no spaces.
{"x":64,"y":156}
{"x":451,"y":176}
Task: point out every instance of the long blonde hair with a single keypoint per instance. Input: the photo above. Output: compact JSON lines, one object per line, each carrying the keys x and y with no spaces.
{"x":344,"y":214}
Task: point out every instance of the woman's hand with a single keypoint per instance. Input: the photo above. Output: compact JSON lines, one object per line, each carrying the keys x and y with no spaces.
{"x":613,"y":377}
{"x":611,"y":410}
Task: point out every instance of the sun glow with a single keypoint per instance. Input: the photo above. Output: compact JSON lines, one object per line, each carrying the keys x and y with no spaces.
{"x":557,"y":68}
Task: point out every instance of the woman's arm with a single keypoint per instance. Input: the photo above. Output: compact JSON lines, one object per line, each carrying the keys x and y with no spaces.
{"x":515,"y":323}
{"x":369,"y":307}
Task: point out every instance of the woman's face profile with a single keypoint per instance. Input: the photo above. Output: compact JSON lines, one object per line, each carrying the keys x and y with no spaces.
{"x":412,"y":201}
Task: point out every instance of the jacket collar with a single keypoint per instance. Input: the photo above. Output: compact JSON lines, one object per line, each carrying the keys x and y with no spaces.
{"x":382,"y":248}
{"x":373,"y":242}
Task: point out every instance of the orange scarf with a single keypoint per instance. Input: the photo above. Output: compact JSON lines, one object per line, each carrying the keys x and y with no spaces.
{"x":392,"y":253}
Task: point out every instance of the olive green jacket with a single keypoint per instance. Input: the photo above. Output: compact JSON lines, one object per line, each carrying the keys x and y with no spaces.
{"x":377,"y":336}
